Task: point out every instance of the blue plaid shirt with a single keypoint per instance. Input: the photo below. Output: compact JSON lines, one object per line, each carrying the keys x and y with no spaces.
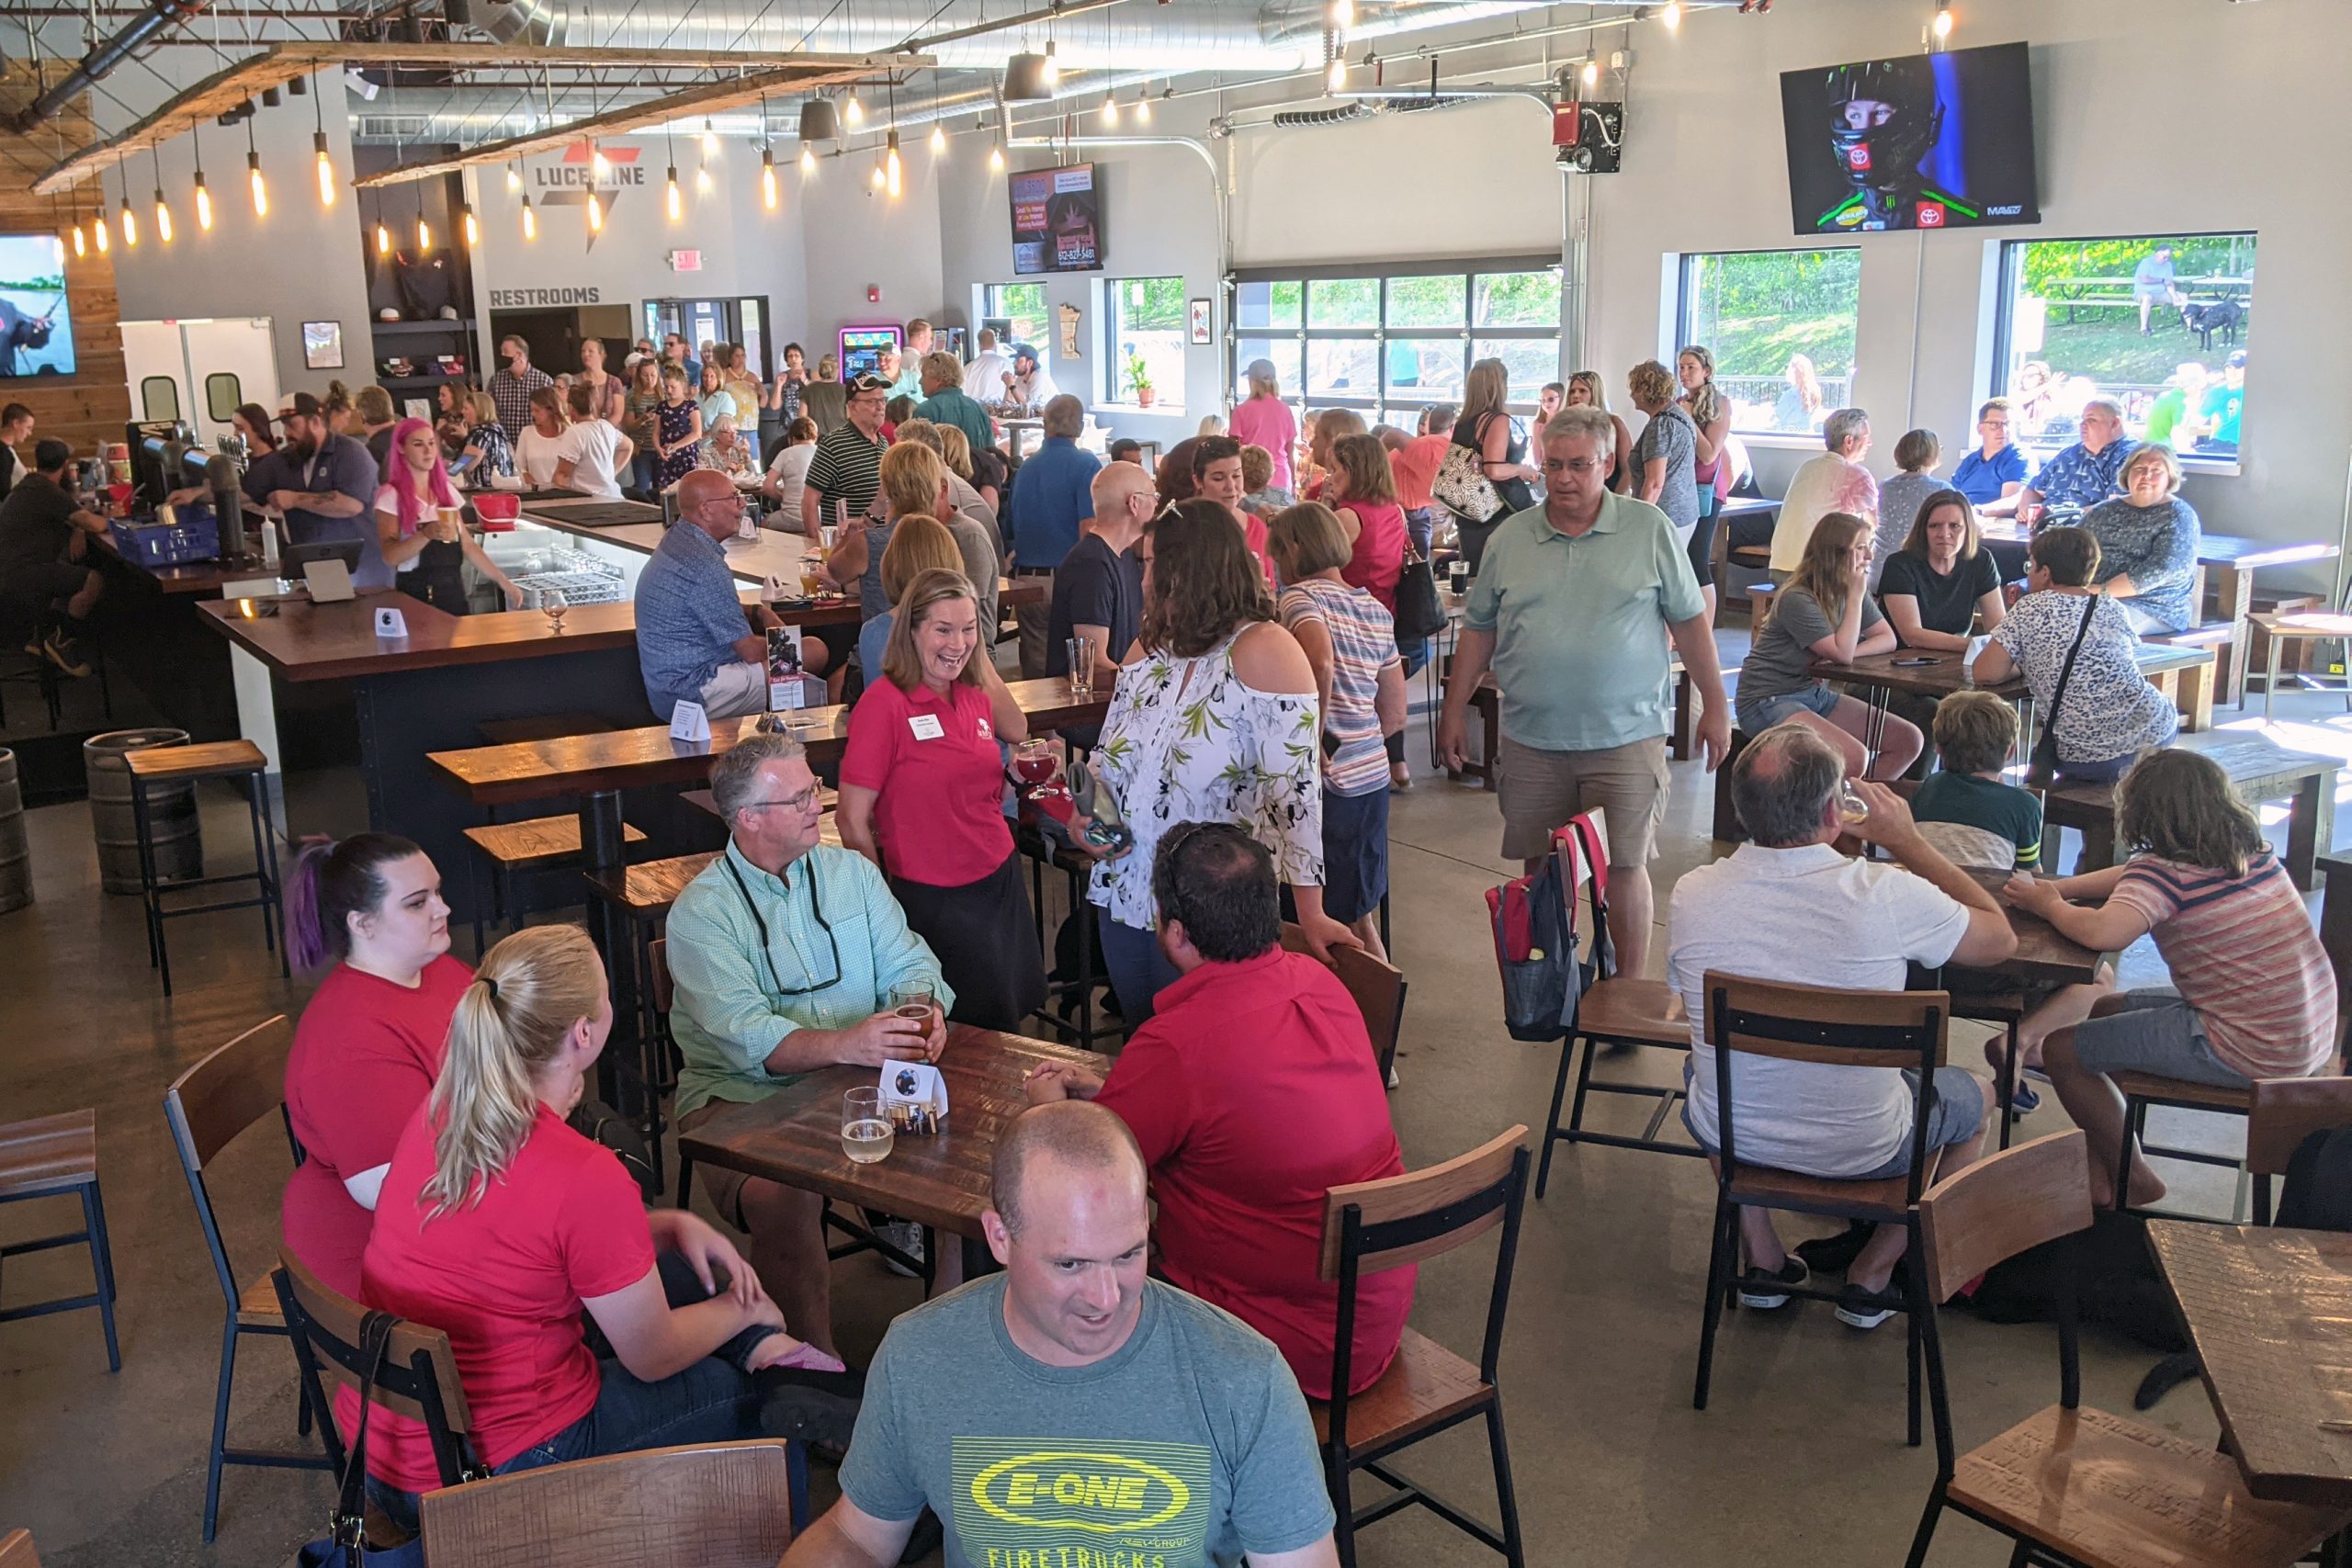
{"x":689,"y":617}
{"x":2077,"y":477}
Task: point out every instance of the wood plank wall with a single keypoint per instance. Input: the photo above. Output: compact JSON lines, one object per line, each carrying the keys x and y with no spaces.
{"x":93,"y":404}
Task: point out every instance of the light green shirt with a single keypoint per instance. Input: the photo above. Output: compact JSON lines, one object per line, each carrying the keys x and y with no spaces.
{"x":1579,"y":625}
{"x":730,"y":1009}
{"x":910,"y":382}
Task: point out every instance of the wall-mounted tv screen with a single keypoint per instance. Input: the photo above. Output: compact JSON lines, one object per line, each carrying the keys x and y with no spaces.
{"x":35,"y":333}
{"x":1920,"y":142}
{"x":1056,"y":220}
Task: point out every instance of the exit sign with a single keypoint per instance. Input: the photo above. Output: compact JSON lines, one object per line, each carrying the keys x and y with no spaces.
{"x":686,"y":261}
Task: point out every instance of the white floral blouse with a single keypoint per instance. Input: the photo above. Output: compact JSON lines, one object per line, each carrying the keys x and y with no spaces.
{"x":1187,"y":741}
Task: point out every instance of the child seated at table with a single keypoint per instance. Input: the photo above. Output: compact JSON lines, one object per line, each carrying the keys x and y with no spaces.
{"x":2254,"y":998}
{"x":1974,"y":817}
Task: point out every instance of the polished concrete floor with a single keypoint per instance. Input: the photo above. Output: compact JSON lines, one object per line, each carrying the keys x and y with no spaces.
{"x":1801,"y":1458}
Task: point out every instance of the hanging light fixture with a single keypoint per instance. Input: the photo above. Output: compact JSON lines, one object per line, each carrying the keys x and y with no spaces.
{"x":709,"y":139}
{"x":383,"y":232}
{"x":1052,"y":69}
{"x":162,"y":207}
{"x":819,"y":122}
{"x":701,"y":179}
{"x":598,"y":164}
{"x":514,"y":178}
{"x":674,"y":199}
{"x":1590,"y":75}
{"x":98,"y":229}
{"x":1671,"y":14}
{"x":595,"y":213}
{"x":1025,"y":79}
{"x":893,"y":171}
{"x":807,"y":160}
{"x":1335,"y":75}
{"x":466,"y":222}
{"x":130,"y":218}
{"x":938,"y":139}
{"x":1941,"y":26}
{"x":1143,"y":107}
{"x":1110,"y":108}
{"x":767,"y":178}
{"x":253,"y":174}
{"x":423,"y":230}
{"x":203,"y":197}
{"x":81,"y":243}
{"x":318,"y":141}
{"x":530,"y":220}
{"x":996,"y":158}
{"x":853,"y":111}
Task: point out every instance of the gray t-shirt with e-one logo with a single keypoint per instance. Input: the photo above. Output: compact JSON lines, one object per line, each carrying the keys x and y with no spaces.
{"x":1190,"y":1445}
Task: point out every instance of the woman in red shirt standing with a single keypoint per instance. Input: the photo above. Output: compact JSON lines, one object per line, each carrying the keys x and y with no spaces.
{"x":922,"y":797}
{"x":498,"y":1225}
{"x":1362,"y":494}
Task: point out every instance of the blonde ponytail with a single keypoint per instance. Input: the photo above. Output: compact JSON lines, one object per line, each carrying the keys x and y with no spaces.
{"x":530,"y":990}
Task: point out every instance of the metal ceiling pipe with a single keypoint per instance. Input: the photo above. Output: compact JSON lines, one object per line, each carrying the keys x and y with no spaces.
{"x":161,"y":16}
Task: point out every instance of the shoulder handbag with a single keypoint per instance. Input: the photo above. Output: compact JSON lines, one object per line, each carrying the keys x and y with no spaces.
{"x":1421,"y":614}
{"x":1462,"y":486}
{"x":1535,"y":937}
{"x":346,"y":1545}
{"x":2044,"y":765}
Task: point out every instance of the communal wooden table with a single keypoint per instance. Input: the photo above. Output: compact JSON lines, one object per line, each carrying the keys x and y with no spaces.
{"x":2044,"y":956}
{"x":2269,"y":1313}
{"x":1938,"y":673}
{"x":794,"y":1136}
{"x":2260,"y":770}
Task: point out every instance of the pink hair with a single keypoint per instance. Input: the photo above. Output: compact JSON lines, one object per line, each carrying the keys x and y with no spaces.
{"x":398,"y":475}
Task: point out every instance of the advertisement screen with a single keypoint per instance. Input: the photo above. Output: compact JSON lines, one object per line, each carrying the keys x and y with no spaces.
{"x":1056,"y":220}
{"x":36,"y":332}
{"x":1920,"y":142}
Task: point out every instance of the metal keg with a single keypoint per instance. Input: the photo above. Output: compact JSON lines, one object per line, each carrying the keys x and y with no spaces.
{"x":171,"y":812}
{"x":16,"y":857}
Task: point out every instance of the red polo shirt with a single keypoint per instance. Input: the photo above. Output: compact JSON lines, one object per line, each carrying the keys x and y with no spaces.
{"x":938,"y":778}
{"x":1253,"y":1089}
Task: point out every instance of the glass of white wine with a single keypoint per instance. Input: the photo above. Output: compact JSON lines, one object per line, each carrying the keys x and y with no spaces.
{"x":552,"y":601}
{"x":867,"y":1133}
{"x":1851,"y":805}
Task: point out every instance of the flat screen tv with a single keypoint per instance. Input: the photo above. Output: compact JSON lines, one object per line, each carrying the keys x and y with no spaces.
{"x":1919,"y":141}
{"x":1056,"y":219}
{"x":35,"y":333}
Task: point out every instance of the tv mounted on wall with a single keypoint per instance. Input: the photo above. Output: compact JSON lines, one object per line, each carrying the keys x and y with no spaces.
{"x":1056,"y":220}
{"x":36,"y":330}
{"x":1918,"y":141}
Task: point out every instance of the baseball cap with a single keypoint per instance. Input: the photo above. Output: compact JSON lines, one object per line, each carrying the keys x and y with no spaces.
{"x":2237,"y":359}
{"x":298,"y":405}
{"x":1025,"y":352}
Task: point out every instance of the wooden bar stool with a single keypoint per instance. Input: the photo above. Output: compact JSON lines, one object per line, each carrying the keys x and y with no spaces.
{"x":633,"y":1083}
{"x":237,"y":759}
{"x":538,"y":843}
{"x":46,"y":1157}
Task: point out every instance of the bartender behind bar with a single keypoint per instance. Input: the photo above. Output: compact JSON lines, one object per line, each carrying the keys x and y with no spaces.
{"x":324,"y":484}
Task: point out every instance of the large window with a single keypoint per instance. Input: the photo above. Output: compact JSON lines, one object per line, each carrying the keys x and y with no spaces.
{"x":1143,"y":322}
{"x":1022,"y":304}
{"x":1780,"y":325}
{"x":1391,"y":345}
{"x":2157,"y":323}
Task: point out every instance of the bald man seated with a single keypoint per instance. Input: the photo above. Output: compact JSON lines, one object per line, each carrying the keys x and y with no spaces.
{"x":1069,"y":1409}
{"x":696,"y":640}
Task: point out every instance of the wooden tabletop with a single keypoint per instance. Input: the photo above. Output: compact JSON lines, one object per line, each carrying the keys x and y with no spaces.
{"x":1944,"y":672}
{"x":794,"y":1136}
{"x":1747,"y":506}
{"x":2269,"y":1311}
{"x":626,"y":759}
{"x":2260,"y":770}
{"x":304,"y":641}
{"x":2043,"y":956}
{"x":2303,"y":624}
{"x":2230,"y":550}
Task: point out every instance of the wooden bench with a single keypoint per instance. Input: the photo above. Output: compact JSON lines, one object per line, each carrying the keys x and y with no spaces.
{"x":2259,"y":769}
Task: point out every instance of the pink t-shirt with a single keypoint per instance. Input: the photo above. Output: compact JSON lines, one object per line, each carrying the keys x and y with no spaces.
{"x":1268,"y":423}
{"x":505,"y":1278}
{"x":939,"y":781}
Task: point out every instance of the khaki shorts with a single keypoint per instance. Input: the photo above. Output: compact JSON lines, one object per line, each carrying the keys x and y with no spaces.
{"x":1541,"y":790}
{"x":725,"y":1186}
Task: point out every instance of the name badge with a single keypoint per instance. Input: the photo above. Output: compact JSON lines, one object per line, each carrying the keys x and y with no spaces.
{"x":926,"y":726}
{"x":987,"y":731}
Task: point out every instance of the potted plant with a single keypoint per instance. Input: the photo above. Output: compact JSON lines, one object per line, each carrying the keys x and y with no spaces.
{"x":1139,"y":380}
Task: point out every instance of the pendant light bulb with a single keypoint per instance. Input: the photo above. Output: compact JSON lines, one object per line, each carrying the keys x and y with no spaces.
{"x":879,"y":177}
{"x":81,"y":244}
{"x":1343,"y":13}
{"x":326,"y":169}
{"x":1942,"y":25}
{"x":595,"y":213}
{"x":1335,"y":78}
{"x":514,"y":178}
{"x":106,"y":240}
{"x":1671,"y":15}
{"x":260,"y":186}
{"x":996,"y":158}
{"x":1143,"y":109}
{"x":675,"y":198}
{"x":1110,"y":109}
{"x":424,"y":232}
{"x":938,"y":139}
{"x":203,"y":204}
{"x":163,"y":216}
{"x":1052,"y":71}
{"x":1590,"y":75}
{"x":854,"y":111}
{"x":598,"y":164}
{"x":530,"y":220}
{"x":808,"y":161}
{"x":129,"y":223}
{"x":893,"y":169}
{"x":709,"y":141}
{"x":383,"y":239}
{"x":701,"y":179}
{"x":473,"y":229}
{"x":767,"y":178}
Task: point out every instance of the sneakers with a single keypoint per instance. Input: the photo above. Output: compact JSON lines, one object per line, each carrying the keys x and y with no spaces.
{"x":1859,"y":1308}
{"x":812,"y":1406}
{"x":1836,"y":1254}
{"x":1755,"y":1289}
{"x":907,"y":1236}
{"x":2024,"y":1101}
{"x":66,"y":653}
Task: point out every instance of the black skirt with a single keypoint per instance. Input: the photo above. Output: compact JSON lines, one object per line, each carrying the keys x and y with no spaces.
{"x":986,"y":941}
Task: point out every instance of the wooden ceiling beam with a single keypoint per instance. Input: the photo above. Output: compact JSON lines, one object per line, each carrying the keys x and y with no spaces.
{"x":711,"y":97}
{"x":772,"y":73}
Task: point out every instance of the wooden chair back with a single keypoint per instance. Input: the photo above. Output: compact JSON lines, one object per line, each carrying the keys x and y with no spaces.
{"x":656,"y":973}
{"x":2002,"y":1205}
{"x":418,"y":1378}
{"x":707,"y":1505}
{"x":228,"y":1091}
{"x":2284,"y":1111}
{"x":1824,"y":1024}
{"x":1456,"y":1193}
{"x":16,"y":1551}
{"x":1378,"y":990}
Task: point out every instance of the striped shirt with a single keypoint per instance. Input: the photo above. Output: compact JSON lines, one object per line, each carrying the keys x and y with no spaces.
{"x":847,"y":470}
{"x":2244,"y":955}
{"x":1364,"y":643}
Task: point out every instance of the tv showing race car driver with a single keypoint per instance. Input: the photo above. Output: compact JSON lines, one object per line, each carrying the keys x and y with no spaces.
{"x":1920,"y":142}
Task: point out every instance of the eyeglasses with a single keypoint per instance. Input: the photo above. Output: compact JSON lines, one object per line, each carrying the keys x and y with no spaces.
{"x":800,"y":802}
{"x":1578,"y":464}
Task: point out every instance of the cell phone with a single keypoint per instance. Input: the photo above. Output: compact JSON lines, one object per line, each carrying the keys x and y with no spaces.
{"x":465,"y":462}
{"x":1912,"y":663}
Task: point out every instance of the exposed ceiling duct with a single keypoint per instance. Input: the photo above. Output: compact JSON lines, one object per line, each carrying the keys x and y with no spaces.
{"x":160,"y":16}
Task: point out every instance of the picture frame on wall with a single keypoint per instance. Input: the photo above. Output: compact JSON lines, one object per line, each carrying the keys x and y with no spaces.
{"x":1200,"y":320}
{"x":323,"y":345}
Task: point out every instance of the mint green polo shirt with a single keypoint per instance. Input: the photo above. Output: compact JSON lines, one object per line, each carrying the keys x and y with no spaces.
{"x":1579,"y":625}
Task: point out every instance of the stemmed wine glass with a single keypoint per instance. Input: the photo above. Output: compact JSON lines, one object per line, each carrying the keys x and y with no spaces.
{"x":552,"y":601}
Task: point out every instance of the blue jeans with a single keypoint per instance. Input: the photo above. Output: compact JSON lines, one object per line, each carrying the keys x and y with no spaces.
{"x":1138,"y":970}
{"x":643,"y":470}
{"x":714,"y":1401}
